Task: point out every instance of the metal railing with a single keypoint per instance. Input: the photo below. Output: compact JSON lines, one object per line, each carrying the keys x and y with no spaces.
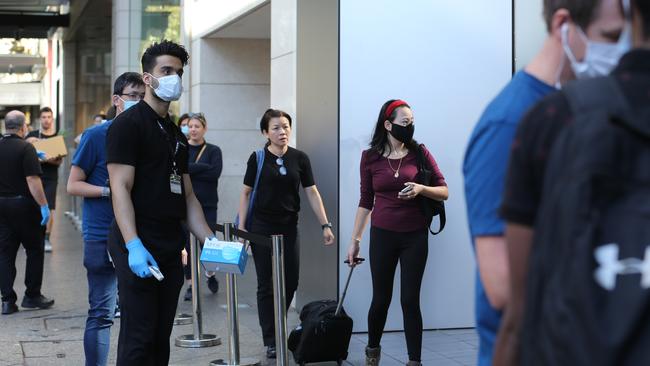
{"x":197,"y":339}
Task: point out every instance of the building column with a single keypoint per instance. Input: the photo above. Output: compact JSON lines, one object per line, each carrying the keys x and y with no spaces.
{"x":283,"y":58}
{"x":125,"y":40}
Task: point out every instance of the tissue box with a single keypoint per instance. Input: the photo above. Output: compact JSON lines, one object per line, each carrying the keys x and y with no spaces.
{"x":224,"y":256}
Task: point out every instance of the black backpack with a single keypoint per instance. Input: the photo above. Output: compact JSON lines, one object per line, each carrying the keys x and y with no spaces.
{"x":588,"y":293}
{"x":429,"y":207}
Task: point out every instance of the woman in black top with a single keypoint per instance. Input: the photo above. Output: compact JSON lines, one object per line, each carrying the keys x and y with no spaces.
{"x":275,"y":211}
{"x":204,"y":165}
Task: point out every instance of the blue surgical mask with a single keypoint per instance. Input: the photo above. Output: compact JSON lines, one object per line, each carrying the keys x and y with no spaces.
{"x":185,"y":130}
{"x":129,"y":103}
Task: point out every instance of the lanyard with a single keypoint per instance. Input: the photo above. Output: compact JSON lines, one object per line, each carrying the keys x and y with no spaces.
{"x":172,"y":151}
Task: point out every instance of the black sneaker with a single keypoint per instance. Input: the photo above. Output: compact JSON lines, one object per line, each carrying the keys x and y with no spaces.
{"x":213,"y":284}
{"x":40,"y":302}
{"x":188,"y":294}
{"x":9,"y":307}
{"x":270,"y":352}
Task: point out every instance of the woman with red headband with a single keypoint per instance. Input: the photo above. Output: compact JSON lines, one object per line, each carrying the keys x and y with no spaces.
{"x":399,"y":229}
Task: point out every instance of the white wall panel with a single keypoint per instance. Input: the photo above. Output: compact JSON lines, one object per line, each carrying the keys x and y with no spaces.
{"x":447,"y":61}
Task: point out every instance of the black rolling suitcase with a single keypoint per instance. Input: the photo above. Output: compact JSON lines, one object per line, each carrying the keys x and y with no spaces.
{"x":324,"y":331}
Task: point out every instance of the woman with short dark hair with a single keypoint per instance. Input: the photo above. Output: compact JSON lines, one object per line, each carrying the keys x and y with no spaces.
{"x":275,"y":211}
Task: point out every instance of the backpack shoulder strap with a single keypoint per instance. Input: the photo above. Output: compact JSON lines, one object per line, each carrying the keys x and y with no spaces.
{"x":259,"y":154}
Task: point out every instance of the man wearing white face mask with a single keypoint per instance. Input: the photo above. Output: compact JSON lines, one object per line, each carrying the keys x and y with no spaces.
{"x":147,"y":157}
{"x":488,"y":151}
{"x":591,"y":51}
{"x":89,"y":179}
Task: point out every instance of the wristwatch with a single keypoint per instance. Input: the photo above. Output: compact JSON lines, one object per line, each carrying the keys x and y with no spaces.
{"x":329,"y":225}
{"x":106,"y":192}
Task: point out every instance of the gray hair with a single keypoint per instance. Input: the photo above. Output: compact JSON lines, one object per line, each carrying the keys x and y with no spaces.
{"x":14,"y":120}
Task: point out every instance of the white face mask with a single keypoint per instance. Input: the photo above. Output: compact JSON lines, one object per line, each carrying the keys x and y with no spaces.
{"x":600,"y":57}
{"x":169,"y":87}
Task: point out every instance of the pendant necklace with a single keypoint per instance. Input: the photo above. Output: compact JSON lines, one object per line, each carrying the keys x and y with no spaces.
{"x":396,"y":171}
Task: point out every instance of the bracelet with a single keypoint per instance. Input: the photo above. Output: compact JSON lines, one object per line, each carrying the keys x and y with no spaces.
{"x":358,"y":241}
{"x":329,"y":225}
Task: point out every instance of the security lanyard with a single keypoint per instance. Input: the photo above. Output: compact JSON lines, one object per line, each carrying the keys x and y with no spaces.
{"x":169,"y":144}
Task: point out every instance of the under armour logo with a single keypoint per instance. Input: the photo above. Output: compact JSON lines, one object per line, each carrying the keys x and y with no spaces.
{"x":610,"y":267}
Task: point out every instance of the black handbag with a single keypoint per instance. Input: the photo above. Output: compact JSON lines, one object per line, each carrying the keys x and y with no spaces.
{"x":429,"y":207}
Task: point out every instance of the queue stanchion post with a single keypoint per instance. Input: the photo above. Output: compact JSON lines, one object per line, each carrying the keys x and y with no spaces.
{"x":233,"y":317}
{"x":198,"y":339}
{"x":279,"y":301}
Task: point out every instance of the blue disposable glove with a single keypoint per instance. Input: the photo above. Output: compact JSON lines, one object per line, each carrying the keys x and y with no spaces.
{"x":139,"y":258}
{"x":45,"y":214}
{"x":41,"y":154}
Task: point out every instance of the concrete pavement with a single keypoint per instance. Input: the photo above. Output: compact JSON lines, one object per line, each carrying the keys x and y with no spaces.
{"x":55,"y":336}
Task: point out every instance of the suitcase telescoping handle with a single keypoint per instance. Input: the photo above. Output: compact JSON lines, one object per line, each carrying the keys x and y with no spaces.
{"x":347,"y":283}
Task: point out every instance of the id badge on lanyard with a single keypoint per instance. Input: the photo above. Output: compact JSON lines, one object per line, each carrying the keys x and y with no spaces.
{"x":175,"y":183}
{"x":174,"y":179}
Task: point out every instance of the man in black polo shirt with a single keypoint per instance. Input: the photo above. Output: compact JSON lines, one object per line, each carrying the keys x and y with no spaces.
{"x":533,"y":144}
{"x":152,"y":193}
{"x":21,"y":192}
{"x":50,"y":167}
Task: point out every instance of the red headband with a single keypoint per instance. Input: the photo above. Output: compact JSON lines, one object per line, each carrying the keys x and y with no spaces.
{"x":395,"y":104}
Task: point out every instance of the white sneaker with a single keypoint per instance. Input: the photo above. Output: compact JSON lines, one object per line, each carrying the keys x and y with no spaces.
{"x":48,"y":246}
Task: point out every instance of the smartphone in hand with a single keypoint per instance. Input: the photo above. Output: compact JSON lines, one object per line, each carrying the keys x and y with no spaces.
{"x":155,"y":271}
{"x":406,"y":189}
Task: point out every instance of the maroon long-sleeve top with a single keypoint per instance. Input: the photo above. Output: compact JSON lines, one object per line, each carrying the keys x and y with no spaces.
{"x":379,"y":189}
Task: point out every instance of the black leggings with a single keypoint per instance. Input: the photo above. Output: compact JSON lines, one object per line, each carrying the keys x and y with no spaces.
{"x":386,"y":249}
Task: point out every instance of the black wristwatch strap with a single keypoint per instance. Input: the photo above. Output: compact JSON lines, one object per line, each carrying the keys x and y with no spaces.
{"x":329,"y":225}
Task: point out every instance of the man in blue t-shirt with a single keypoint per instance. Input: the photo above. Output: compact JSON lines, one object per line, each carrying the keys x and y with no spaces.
{"x":89,"y":179}
{"x":487,"y":154}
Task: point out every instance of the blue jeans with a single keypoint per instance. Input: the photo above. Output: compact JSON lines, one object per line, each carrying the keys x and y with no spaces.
{"x":102,"y":293}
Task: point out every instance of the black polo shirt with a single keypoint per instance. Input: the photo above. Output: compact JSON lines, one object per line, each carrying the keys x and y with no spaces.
{"x":18,"y":160}
{"x":540,"y":128}
{"x":50,"y":171}
{"x":141,"y":138}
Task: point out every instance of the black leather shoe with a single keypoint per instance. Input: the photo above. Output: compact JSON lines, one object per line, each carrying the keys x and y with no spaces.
{"x":9,"y":307}
{"x":40,"y":302}
{"x":270,"y":352}
{"x":213,"y":284}
{"x":188,"y":294}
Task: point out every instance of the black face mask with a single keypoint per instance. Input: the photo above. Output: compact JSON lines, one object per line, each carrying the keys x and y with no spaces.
{"x":403,"y":134}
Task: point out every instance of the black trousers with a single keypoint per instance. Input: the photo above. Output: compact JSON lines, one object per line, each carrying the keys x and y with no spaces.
{"x":148,"y":307}
{"x":386,"y":249}
{"x":20,"y":223}
{"x":264,"y":268}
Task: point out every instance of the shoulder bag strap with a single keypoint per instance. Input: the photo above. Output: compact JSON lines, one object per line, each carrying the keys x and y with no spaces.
{"x":200,"y":153}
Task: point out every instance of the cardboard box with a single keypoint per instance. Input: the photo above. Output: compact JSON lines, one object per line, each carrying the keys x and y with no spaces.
{"x":224,"y":256}
{"x":53,"y":147}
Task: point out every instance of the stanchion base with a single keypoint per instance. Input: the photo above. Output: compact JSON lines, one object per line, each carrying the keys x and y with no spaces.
{"x":205,"y":340}
{"x":183,"y":319}
{"x":242,"y":362}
